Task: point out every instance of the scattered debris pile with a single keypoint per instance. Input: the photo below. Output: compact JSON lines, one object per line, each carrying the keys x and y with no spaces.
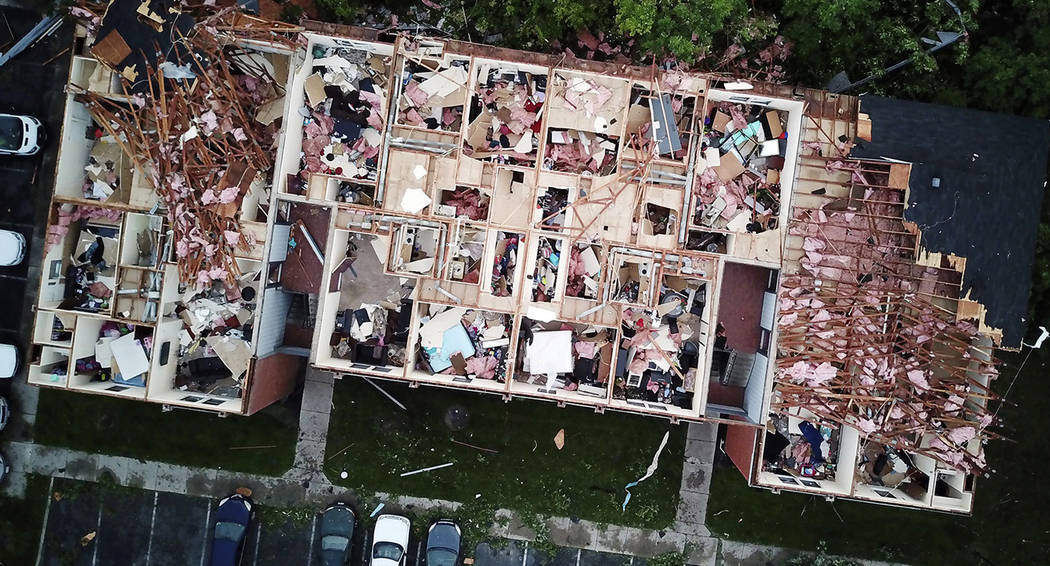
{"x":506,"y":116}
{"x":738,"y":189}
{"x":869,"y":336}
{"x":660,"y":351}
{"x":665,"y":117}
{"x":812,"y":451}
{"x":585,"y":271}
{"x":570,"y":356}
{"x":344,"y":114}
{"x":466,"y":343}
{"x":465,"y":202}
{"x":215,"y":339}
{"x":587,"y":147}
{"x":505,"y":263}
{"x":188,"y":121}
{"x":433,"y":98}
{"x":107,"y":170}
{"x":548,"y":261}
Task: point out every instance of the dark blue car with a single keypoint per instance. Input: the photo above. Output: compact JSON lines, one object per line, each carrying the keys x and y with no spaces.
{"x":337,"y":534}
{"x":231,"y":524}
{"x":443,"y":540}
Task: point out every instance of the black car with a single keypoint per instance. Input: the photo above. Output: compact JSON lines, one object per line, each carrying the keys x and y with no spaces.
{"x":443,"y":540}
{"x":231,"y":525}
{"x":337,"y":534}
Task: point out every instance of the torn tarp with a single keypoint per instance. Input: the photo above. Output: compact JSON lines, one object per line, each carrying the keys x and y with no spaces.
{"x":648,"y":472}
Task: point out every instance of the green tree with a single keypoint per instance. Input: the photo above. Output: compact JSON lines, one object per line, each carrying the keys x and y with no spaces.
{"x":685,"y":29}
{"x":862,"y":37}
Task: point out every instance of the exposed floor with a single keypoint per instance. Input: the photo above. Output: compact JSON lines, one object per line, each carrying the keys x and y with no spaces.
{"x":365,"y":282}
{"x":302,"y":270}
{"x":740,"y":305}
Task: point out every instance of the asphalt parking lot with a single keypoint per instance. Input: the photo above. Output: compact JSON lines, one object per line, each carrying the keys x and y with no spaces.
{"x":134,"y":527}
{"x":33,"y":84}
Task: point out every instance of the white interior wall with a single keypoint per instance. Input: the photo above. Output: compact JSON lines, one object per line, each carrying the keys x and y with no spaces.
{"x":162,"y":375}
{"x":49,"y":355}
{"x":74,"y":149}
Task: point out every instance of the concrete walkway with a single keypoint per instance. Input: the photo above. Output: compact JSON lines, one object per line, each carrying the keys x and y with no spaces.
{"x":696,"y":479}
{"x":314,"y":415}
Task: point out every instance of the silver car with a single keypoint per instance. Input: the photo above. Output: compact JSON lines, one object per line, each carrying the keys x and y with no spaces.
{"x":5,"y":412}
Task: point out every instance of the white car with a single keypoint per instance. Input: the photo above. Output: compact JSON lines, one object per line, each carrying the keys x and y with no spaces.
{"x":390,"y":541}
{"x":12,"y":248}
{"x":9,"y":361}
{"x":20,"y":135}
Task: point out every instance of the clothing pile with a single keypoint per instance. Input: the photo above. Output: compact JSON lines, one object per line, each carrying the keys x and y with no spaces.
{"x":343,"y":116}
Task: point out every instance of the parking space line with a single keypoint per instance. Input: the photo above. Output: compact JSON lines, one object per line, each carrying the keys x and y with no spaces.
{"x":204,"y":541}
{"x":43,"y":529}
{"x":98,"y":527}
{"x":525,"y":555}
{"x":258,"y":537}
{"x":152,"y":524}
{"x":579,"y":553}
{"x":313,"y":533}
{"x":419,"y":550}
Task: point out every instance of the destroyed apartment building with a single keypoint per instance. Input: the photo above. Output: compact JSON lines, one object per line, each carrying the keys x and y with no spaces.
{"x":450,"y":214}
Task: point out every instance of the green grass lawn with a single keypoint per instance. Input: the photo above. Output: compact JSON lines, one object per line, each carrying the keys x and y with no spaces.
{"x":528,"y":473}
{"x":21,"y":521}
{"x":109,"y":425}
{"x":1008,"y":526}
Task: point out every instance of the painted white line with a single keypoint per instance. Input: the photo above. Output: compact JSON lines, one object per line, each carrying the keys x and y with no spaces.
{"x":525,"y":555}
{"x":313,"y":533}
{"x":258,"y":536}
{"x":204,"y":541}
{"x":419,"y":553}
{"x":152,"y":523}
{"x":579,"y":553}
{"x":98,"y":527}
{"x":43,"y":528}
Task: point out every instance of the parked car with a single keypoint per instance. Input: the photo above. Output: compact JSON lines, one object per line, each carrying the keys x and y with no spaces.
{"x":5,"y":412}
{"x":20,"y":135}
{"x":390,"y":541}
{"x":10,"y":361}
{"x":12,"y":248}
{"x":443,"y":543}
{"x":337,"y":534}
{"x":232,"y":518}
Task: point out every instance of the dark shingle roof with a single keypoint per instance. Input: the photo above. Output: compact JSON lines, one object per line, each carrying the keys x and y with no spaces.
{"x":992,"y":169}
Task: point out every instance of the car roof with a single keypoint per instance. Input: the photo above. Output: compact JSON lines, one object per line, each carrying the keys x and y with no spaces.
{"x":233,"y":510}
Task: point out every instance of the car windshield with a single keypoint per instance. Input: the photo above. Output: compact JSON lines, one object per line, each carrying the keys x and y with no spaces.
{"x":229,"y":531}
{"x":390,"y":550}
{"x":11,"y":130}
{"x":441,"y":557}
{"x":334,"y":542}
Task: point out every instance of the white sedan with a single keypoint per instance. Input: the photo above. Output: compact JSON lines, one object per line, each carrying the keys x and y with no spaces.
{"x":20,"y":135}
{"x":390,"y":540}
{"x":9,"y":361}
{"x":12,"y":248}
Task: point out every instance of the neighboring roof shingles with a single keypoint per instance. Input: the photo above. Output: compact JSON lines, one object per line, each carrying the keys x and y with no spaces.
{"x":987,"y":207}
